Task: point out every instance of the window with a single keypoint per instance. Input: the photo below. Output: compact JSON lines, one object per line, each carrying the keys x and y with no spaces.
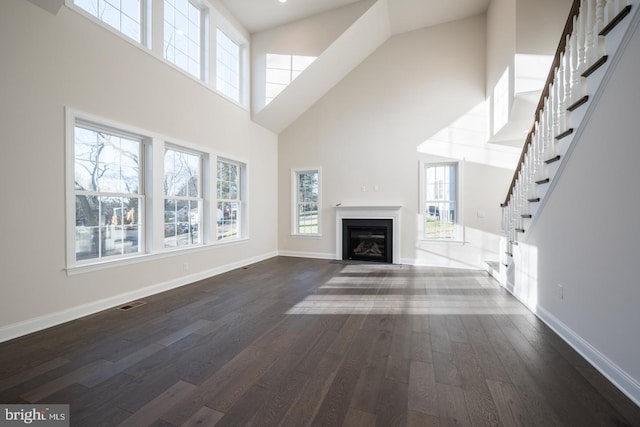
{"x":227,"y":66}
{"x":229,"y":215}
{"x":183,"y":198}
{"x":183,"y":35}
{"x":109,"y":198}
{"x":439,"y":201}
{"x":123,"y":15}
{"x":282,"y":70}
{"x":306,"y":201}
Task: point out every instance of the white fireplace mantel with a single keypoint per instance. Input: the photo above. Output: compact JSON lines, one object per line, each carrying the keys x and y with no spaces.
{"x":369,"y":212}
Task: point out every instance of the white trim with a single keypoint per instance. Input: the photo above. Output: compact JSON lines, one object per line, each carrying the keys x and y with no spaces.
{"x":314,"y":255}
{"x":627,"y":384}
{"x":459,"y":229}
{"x":294,"y":201}
{"x":155,"y":145}
{"x":391,"y":212}
{"x":623,"y":381}
{"x":25,"y":327}
{"x":145,"y":23}
{"x":137,"y":259}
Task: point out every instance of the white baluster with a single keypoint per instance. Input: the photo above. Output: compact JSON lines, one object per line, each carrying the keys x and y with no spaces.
{"x":590,"y":24}
{"x":598,"y":25}
{"x":562,"y":94}
{"x":581,"y":41}
{"x":574,"y":79}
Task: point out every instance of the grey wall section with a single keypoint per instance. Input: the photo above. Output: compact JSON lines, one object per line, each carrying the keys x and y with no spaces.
{"x":375,"y":125}
{"x":50,"y":62}
{"x":587,"y":237}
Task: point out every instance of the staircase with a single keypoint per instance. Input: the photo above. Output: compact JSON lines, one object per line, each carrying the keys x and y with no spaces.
{"x":594,"y":36}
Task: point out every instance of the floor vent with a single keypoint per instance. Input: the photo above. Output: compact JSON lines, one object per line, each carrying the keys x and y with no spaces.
{"x":131,"y":305}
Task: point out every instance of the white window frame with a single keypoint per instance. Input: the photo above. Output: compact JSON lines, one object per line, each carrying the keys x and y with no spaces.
{"x":211,"y":19}
{"x":145,"y":22}
{"x":295,"y":220}
{"x":74,"y":120}
{"x":222,"y":66}
{"x":151,"y":240}
{"x":202,"y":211}
{"x":204,"y":9}
{"x":458,"y":231}
{"x":293,"y":73}
{"x":243,"y":212}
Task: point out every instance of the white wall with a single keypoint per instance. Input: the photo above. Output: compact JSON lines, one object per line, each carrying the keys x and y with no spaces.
{"x":306,"y":37}
{"x":539,"y":25}
{"x":374,"y":127}
{"x":501,"y":48}
{"x":587,"y":237}
{"x":52,"y":61}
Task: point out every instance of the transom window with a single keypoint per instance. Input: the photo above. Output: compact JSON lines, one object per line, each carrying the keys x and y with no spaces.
{"x":282,"y":70}
{"x":108,"y":193}
{"x":227,"y":66}
{"x":183,"y":40}
{"x":123,"y":15}
{"x":306,"y":201}
{"x":229,"y":213}
{"x":183,"y":200}
{"x":440,"y":201}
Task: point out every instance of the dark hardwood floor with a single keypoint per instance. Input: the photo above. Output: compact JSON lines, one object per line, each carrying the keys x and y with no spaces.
{"x":299,"y":342}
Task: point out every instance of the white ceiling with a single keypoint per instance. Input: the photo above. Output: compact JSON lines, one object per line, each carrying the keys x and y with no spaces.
{"x":404,"y":15}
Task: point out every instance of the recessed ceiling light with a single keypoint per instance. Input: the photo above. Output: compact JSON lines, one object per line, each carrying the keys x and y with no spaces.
{"x":282,"y":1}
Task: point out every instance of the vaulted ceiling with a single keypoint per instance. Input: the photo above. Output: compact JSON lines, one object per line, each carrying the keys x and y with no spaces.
{"x":404,"y":15}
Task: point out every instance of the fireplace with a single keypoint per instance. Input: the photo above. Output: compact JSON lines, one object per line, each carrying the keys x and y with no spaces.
{"x":367,"y":239}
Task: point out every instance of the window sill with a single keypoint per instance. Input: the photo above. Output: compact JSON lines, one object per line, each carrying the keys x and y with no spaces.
{"x":136,"y":259}
{"x":306,"y":236}
{"x":442,"y":242}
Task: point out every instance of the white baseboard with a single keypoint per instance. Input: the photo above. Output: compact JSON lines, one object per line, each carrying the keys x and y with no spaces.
{"x":25,"y":327}
{"x":317,"y":255}
{"x":623,"y":381}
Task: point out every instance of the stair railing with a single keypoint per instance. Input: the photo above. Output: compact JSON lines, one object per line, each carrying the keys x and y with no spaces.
{"x":580,"y":53}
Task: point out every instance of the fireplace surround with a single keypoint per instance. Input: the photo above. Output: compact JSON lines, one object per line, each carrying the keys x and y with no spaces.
{"x":368,"y":233}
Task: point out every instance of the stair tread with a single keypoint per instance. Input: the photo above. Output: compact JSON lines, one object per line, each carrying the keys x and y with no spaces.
{"x":552,"y":160}
{"x":599,"y":63}
{"x":534,"y":200}
{"x":578,"y":103}
{"x":543,"y":181}
{"x":564,"y":134}
{"x":615,"y":21}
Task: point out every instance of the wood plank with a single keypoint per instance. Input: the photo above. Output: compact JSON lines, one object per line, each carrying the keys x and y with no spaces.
{"x":509,"y":405}
{"x":422,"y":389}
{"x":205,"y":417}
{"x":452,"y":408}
{"x":421,"y":347}
{"x":392,"y":404}
{"x":154,"y":409}
{"x":490,"y":364}
{"x":305,"y":406}
{"x":335,"y":405}
{"x":445,"y":368}
{"x":480,"y":405}
{"x":538,"y":408}
{"x":47,"y":389}
{"x":357,"y":418}
{"x":418,"y":419}
{"x":36,"y":371}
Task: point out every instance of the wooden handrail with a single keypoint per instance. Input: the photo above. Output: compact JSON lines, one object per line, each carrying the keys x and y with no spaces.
{"x":568,"y":29}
